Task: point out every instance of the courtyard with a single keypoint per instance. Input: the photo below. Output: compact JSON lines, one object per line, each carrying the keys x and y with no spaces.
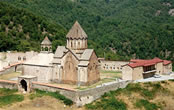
{"x":105,"y":76}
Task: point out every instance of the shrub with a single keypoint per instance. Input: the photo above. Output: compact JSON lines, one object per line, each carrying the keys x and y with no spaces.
{"x":57,"y":95}
{"x":146,"y":104}
{"x":147,"y":93}
{"x":107,"y":102}
{"x":134,"y":87}
{"x":172,"y":80}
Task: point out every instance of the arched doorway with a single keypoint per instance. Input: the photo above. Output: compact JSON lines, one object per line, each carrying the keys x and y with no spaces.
{"x":24,"y":84}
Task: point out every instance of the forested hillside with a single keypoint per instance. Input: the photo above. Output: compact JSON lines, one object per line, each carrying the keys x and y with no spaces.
{"x":126,"y":28}
{"x":22,"y":31}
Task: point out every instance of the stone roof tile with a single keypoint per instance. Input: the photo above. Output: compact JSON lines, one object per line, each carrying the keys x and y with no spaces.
{"x":76,"y":32}
{"x":87,"y":54}
{"x":46,"y":41}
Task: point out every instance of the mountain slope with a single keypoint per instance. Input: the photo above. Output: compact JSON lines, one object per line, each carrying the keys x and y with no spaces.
{"x":138,"y":96}
{"x":128,"y":28}
{"x":23,"y":31}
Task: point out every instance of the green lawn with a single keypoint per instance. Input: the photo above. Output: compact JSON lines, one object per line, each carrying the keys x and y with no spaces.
{"x":8,"y":96}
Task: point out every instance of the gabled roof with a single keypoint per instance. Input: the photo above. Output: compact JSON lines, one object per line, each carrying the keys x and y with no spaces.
{"x":87,"y":54}
{"x":60,"y":51}
{"x":46,"y":41}
{"x":166,"y":62}
{"x":139,"y":62}
{"x":76,"y":32}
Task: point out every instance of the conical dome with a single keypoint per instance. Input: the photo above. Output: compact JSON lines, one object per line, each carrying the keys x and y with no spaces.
{"x":76,"y":32}
{"x":46,"y":41}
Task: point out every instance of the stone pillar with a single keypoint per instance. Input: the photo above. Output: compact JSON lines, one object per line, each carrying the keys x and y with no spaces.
{"x":67,"y":43}
{"x":81,"y":43}
{"x":86,"y":42}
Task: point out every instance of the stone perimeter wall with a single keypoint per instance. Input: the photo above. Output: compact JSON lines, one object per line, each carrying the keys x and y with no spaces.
{"x":112,"y":65}
{"x":11,"y":69}
{"x":85,"y":96}
{"x":8,"y":84}
{"x":79,"y":97}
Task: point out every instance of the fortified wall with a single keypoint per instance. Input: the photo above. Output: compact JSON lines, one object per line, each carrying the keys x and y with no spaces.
{"x":80,"y":97}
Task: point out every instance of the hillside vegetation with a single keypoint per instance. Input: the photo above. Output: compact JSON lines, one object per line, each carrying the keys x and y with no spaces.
{"x":122,"y":29}
{"x":139,"y":96}
{"x":23,"y":31}
{"x":136,"y":96}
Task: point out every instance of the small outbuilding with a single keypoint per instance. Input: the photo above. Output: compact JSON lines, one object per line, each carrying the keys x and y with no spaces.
{"x":140,"y":69}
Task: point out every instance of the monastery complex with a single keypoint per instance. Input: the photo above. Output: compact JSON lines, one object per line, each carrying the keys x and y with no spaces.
{"x":71,"y":64}
{"x":76,"y":64}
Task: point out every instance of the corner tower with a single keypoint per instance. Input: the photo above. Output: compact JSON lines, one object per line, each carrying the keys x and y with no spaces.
{"x":46,"y":45}
{"x":77,"y":38}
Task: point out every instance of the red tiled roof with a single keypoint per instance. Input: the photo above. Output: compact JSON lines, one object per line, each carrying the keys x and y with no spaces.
{"x":166,"y":62}
{"x":140,"y":62}
{"x":136,"y":60}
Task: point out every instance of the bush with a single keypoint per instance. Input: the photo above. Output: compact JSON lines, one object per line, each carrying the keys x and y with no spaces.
{"x":172,"y":80}
{"x":108,"y":102}
{"x":147,"y":93}
{"x":146,"y":104}
{"x":57,"y":95}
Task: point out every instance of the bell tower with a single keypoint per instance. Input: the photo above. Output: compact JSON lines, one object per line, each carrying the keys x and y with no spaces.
{"x":77,"y":38}
{"x":46,"y":46}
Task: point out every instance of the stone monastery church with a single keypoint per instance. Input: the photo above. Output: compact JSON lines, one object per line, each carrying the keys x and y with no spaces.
{"x":70,"y":64}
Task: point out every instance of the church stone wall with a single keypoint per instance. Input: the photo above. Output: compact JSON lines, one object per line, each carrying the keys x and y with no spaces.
{"x":43,"y":73}
{"x":93,"y":72}
{"x":57,"y":73}
{"x":70,"y":68}
{"x":82,"y":75}
{"x":13,"y":57}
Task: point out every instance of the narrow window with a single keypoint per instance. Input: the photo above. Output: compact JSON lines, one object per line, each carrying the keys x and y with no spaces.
{"x":19,"y":58}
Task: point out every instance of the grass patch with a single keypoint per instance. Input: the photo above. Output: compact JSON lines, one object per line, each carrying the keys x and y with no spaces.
{"x":8,"y":96}
{"x":110,"y":71}
{"x":146,"y":104}
{"x":9,"y":99}
{"x":57,"y":95}
{"x":110,"y":103}
{"x":172,"y":80}
{"x":10,"y":75}
{"x":4,"y":91}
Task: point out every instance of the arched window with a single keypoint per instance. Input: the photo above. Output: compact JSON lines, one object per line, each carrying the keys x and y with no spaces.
{"x":46,"y":48}
{"x":50,"y":49}
{"x":19,"y":58}
{"x":42,"y":48}
{"x":24,"y":58}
